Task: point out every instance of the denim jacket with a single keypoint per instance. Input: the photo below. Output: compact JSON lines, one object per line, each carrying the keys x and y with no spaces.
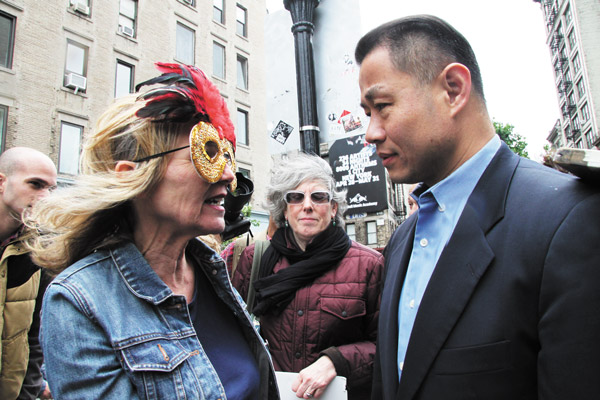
{"x":111,"y":329}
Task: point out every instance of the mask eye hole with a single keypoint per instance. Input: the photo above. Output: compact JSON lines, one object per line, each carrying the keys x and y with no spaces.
{"x":228,"y":157}
{"x":211,"y":148}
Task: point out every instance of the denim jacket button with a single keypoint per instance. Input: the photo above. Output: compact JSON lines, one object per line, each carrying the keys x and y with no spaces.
{"x":214,"y":271}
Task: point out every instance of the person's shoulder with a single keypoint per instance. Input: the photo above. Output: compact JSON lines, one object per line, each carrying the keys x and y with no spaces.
{"x":534,"y":179}
{"x":84,"y":269}
{"x":360,"y":250}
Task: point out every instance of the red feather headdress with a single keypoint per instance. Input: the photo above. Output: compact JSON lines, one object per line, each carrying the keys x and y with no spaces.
{"x":188,"y":95}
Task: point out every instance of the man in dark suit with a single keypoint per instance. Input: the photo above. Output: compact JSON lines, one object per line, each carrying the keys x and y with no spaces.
{"x":492,"y":288}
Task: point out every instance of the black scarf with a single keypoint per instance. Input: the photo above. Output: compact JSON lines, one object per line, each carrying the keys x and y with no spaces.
{"x":275,"y":291}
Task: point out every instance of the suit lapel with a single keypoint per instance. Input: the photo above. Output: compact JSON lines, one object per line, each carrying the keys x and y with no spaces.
{"x":460,"y":267}
{"x":400,"y":247}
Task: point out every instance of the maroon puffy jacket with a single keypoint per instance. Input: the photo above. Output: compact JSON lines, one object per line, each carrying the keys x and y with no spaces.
{"x":336,"y":316}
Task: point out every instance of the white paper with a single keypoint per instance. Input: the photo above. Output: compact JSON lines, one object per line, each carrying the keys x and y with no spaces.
{"x":335,"y":391}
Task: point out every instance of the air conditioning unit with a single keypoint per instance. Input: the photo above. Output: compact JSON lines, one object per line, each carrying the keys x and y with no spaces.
{"x":80,"y":7}
{"x":126,"y":30}
{"x":76,"y":82}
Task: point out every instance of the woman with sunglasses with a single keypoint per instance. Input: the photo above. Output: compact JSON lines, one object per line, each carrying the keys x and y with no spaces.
{"x":317,"y":292}
{"x":141,"y":308}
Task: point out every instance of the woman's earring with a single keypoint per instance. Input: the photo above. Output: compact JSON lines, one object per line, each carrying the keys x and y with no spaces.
{"x":333,"y":221}
{"x":287,"y":225}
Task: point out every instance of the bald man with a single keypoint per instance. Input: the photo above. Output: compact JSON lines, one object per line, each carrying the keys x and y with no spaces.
{"x":26,"y":175}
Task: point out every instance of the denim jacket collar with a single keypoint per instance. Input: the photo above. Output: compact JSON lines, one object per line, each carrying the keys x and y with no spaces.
{"x":141,"y":278}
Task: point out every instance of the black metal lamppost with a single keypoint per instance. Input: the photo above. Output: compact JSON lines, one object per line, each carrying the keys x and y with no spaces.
{"x":302,"y":12}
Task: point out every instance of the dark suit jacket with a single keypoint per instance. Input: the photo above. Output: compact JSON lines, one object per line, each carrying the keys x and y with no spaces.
{"x":512,"y":310}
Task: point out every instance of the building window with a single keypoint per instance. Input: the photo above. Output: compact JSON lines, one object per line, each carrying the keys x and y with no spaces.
{"x":70,"y":141}
{"x":589,"y":138}
{"x":242,"y":72}
{"x":580,"y":88}
{"x":372,"y":232}
{"x":242,"y":127}
{"x":567,"y":75}
{"x":576,"y":124}
{"x":7,"y":39}
{"x":218,"y":60}
{"x":571,"y":99}
{"x":585,"y":113}
{"x":571,"y":39}
{"x":568,"y":131}
{"x":568,"y":16}
{"x":245,"y":172}
{"x":241,"y":21}
{"x":351,"y":231}
{"x":127,"y":17}
{"x":185,"y":44}
{"x":76,"y":66}
{"x":576,"y":64}
{"x":219,"y":11}
{"x":123,"y":79}
{"x":80,"y":6}
{"x":3,"y":122}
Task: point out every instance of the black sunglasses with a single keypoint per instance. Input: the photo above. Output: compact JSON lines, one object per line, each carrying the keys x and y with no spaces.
{"x":318,"y":197}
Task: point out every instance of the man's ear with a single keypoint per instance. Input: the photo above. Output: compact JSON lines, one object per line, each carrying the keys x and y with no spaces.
{"x":456,"y":80}
{"x":2,"y":182}
{"x":124,"y":166}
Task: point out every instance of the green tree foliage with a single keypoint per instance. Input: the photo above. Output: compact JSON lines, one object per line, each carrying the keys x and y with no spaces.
{"x":513,"y":140}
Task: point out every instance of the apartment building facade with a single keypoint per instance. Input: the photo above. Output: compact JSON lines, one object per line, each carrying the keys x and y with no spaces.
{"x":573,"y":36}
{"x":64,"y":61}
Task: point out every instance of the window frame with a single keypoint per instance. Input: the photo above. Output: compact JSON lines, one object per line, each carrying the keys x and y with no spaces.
{"x":223,"y":58}
{"x":10,"y":45}
{"x":61,"y":147}
{"x":585,"y":113}
{"x":351,"y":235}
{"x":3,"y":125}
{"x":133,"y":20}
{"x":580,"y":85}
{"x":568,"y":16}
{"x":242,"y":72}
{"x":84,"y":67}
{"x":576,"y":61}
{"x":219,"y":11}
{"x":243,"y":25}
{"x":131,"y":77}
{"x":369,"y":234}
{"x":572,"y":40}
{"x":245,"y":172}
{"x":245,"y":133}
{"x":181,"y":27}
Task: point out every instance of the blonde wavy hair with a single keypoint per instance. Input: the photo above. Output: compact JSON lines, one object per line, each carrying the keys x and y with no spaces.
{"x":95,"y":211}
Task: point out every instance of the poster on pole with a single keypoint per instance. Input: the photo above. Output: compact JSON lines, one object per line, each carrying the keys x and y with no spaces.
{"x":357,"y":169}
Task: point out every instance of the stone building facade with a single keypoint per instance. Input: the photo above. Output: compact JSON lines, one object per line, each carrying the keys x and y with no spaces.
{"x":62,"y":62}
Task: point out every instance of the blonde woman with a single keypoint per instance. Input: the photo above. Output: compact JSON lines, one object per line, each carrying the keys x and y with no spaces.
{"x":141,"y":308}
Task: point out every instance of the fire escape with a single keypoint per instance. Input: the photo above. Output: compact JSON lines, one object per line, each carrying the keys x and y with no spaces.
{"x":561,"y":68}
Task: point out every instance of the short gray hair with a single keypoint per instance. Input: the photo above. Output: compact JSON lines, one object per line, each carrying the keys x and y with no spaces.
{"x":291,"y":172}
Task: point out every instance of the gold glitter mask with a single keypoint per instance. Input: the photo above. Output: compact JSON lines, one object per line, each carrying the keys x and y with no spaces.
{"x":210,"y":153}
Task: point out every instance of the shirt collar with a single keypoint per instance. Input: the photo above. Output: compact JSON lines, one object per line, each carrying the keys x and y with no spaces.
{"x":12,"y":237}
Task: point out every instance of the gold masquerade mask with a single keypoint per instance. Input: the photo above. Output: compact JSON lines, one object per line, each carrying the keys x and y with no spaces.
{"x":209,"y":153}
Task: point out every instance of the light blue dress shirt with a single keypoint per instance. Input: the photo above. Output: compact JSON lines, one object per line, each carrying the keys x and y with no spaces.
{"x":439,"y":210}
